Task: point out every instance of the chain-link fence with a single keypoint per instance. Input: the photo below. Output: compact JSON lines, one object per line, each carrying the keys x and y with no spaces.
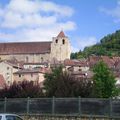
{"x":62,"y":106}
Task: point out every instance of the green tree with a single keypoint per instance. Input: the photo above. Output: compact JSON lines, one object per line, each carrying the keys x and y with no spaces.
{"x":108,"y":45}
{"x":104,"y":81}
{"x":77,"y":55}
{"x":60,"y":83}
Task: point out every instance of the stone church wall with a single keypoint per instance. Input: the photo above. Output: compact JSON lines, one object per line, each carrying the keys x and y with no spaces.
{"x":31,"y":58}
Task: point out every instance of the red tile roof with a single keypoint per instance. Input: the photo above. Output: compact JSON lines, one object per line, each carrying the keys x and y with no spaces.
{"x":25,"y":48}
{"x":79,"y":63}
{"x":29,"y":71}
{"x":94,"y":59}
{"x":61,"y":34}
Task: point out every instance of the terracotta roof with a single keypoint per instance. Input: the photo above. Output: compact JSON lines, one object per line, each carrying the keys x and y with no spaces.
{"x":25,"y":47}
{"x":27,"y":71}
{"x":14,"y":65}
{"x":61,"y":34}
{"x":37,"y":63}
{"x":79,"y":63}
{"x":2,"y":82}
{"x":95,"y":59}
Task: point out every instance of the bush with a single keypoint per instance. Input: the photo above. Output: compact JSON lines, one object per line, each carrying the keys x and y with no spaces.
{"x":22,"y":90}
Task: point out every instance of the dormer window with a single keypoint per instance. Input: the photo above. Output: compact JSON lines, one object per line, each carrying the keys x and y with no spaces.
{"x":56,"y":41}
{"x":63,"y":41}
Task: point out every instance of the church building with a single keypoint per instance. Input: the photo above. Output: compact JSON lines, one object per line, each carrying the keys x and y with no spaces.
{"x":32,"y":52}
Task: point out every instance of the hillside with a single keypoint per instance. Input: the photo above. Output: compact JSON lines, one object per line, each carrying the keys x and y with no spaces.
{"x":109,"y":45}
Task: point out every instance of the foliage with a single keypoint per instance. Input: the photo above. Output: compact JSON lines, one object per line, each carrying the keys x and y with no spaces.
{"x":62,"y":84}
{"x":104,"y":81}
{"x":108,"y":45}
{"x":77,"y":55}
{"x":22,"y":90}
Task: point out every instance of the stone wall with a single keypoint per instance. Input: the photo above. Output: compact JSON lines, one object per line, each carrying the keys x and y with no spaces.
{"x":31,"y":58}
{"x":47,"y":117}
{"x":59,"y":49}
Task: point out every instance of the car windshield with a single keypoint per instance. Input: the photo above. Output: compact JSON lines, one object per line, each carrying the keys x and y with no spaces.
{"x":12,"y":117}
{"x":0,"y":117}
{"x":9,"y":117}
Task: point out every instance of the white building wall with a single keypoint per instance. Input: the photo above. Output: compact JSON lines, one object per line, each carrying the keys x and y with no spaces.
{"x":7,"y":71}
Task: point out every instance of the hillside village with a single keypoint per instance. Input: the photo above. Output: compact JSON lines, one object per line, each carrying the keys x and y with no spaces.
{"x":30,"y":61}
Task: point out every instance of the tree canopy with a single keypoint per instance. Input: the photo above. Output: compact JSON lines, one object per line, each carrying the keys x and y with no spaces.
{"x":60,"y":83}
{"x":104,"y":81}
{"x":108,"y":45}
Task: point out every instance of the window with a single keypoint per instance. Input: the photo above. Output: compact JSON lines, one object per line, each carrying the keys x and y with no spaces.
{"x":7,"y":74}
{"x":56,"y":41}
{"x":19,"y":75}
{"x":18,"y":118}
{"x":63,"y":41}
{"x":8,"y":117}
{"x":7,"y":68}
{"x":27,"y":59}
{"x":41,"y":59}
{"x":12,"y":117}
{"x":8,"y":82}
{"x":31,"y":75}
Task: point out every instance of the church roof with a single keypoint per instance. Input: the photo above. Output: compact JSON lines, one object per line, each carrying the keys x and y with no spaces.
{"x":61,"y":34}
{"x":25,"y":48}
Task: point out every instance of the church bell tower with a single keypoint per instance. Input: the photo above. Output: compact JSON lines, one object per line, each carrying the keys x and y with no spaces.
{"x":60,"y":47}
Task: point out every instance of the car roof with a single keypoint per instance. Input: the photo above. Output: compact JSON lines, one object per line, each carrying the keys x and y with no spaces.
{"x":7,"y":114}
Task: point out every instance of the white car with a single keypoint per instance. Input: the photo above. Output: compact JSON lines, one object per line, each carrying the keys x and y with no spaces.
{"x":10,"y":117}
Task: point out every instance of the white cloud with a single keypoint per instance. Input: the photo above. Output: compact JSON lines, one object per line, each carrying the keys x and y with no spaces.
{"x":82,"y":42}
{"x":115,"y":12}
{"x":23,"y":6}
{"x":52,"y":7}
{"x":37,"y":34}
{"x":34,"y":20}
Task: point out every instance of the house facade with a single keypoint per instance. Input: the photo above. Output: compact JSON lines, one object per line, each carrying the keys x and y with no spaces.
{"x":34,"y":75}
{"x":7,"y":70}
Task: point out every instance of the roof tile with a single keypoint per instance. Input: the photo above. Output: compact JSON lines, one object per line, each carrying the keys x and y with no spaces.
{"x":25,"y":47}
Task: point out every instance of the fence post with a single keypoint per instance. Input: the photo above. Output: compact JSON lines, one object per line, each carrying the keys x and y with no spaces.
{"x":5,"y":102}
{"x":53,"y":105}
{"x":79,"y":105}
{"x":28,"y":105}
{"x":110,"y":111}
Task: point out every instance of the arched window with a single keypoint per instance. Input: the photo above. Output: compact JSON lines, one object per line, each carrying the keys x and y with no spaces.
{"x":63,"y":41}
{"x":56,"y":41}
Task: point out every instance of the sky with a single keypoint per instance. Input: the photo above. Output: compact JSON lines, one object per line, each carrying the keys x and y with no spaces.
{"x":85,"y":22}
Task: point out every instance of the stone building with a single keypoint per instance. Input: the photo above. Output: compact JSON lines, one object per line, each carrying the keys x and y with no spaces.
{"x":34,"y":75}
{"x":32,"y":52}
{"x":7,"y":70}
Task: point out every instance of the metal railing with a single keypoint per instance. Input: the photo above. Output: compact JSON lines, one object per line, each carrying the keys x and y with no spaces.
{"x":62,"y":106}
